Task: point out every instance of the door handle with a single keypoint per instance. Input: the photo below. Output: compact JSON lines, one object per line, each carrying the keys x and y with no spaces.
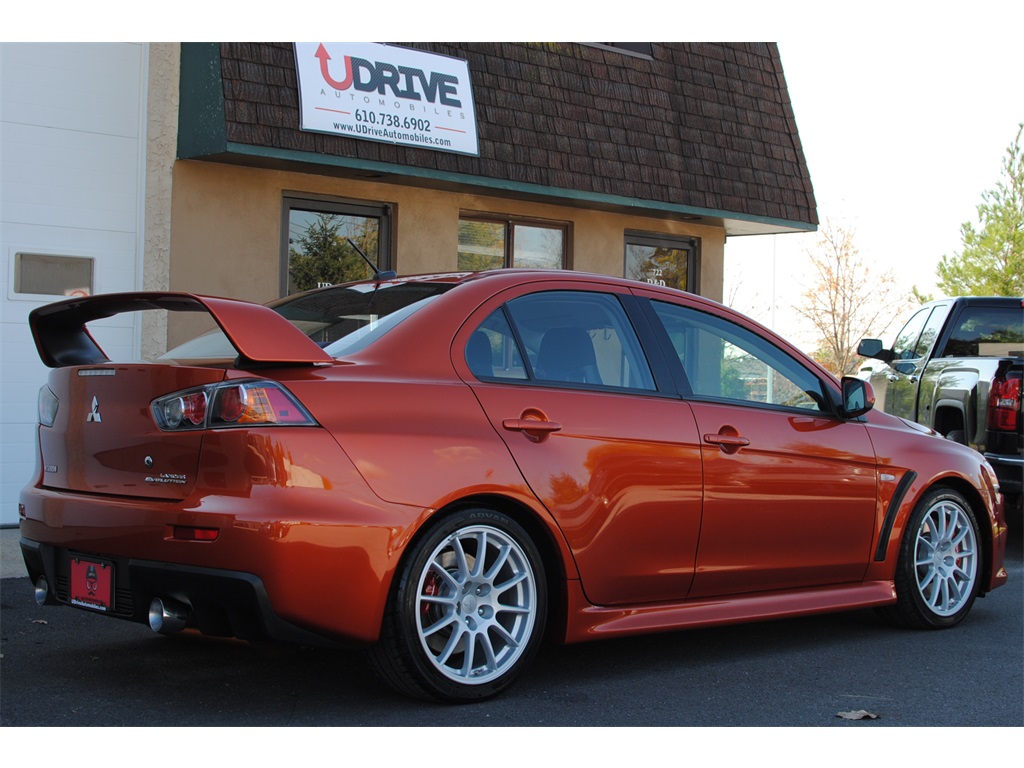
{"x":729,"y":443}
{"x":718,"y":439}
{"x":534,"y":429}
{"x":892,"y":376}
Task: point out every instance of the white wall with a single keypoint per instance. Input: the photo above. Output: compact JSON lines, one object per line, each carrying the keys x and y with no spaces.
{"x":72,"y":143}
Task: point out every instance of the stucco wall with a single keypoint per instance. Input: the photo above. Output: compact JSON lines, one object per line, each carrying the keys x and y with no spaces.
{"x":225,"y":237}
{"x":161,"y":145}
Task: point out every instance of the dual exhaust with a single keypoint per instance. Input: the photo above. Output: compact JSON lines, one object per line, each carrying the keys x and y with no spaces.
{"x":166,"y":616}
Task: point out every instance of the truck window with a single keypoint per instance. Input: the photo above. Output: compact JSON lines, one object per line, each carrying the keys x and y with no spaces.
{"x":931,"y":332}
{"x":987,"y":332}
{"x":906,"y":342}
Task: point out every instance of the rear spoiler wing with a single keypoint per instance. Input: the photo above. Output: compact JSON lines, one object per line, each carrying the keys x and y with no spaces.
{"x":260,"y":335}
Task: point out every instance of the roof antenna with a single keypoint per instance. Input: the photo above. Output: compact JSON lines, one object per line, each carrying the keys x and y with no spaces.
{"x":378,"y":274}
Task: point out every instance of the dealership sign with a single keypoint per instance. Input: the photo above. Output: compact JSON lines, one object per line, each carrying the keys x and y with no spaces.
{"x":384,"y":93}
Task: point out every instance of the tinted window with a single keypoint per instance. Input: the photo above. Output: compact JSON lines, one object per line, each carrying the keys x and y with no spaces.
{"x":722,"y":360}
{"x":904,"y":348}
{"x":987,"y":332}
{"x":569,"y":337}
{"x":339,"y":319}
{"x":492,"y":350}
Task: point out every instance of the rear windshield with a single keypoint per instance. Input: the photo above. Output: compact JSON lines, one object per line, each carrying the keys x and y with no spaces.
{"x":987,"y":332}
{"x":342,"y":319}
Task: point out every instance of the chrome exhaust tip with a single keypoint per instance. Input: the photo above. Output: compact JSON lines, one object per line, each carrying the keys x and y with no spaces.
{"x":41,"y":591}
{"x":167,"y":616}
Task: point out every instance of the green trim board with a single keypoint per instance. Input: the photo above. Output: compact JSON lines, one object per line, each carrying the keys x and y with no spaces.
{"x":201,"y":116}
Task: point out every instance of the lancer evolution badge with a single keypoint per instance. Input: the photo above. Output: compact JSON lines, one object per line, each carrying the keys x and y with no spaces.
{"x":94,"y":414}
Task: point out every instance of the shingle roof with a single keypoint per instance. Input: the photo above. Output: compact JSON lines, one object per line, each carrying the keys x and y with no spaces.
{"x":707,"y":126}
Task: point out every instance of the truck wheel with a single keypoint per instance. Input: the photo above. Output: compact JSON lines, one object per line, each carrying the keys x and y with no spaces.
{"x":937,"y":574}
{"x":957,"y":436}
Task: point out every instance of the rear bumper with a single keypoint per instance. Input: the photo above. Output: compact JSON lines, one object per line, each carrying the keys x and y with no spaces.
{"x":292,"y":564}
{"x":222,"y":603}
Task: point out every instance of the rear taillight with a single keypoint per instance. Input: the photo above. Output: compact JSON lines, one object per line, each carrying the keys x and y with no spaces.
{"x":1004,"y":402}
{"x":48,"y":406}
{"x":234,"y":404}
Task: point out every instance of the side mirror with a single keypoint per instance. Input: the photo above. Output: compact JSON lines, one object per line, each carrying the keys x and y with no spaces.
{"x":858,"y":397}
{"x":874,"y":348}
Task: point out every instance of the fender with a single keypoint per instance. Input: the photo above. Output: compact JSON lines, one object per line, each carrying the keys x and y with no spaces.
{"x":260,"y":335}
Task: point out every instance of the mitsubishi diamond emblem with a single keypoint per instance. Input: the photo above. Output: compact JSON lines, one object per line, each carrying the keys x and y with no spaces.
{"x":94,"y":414}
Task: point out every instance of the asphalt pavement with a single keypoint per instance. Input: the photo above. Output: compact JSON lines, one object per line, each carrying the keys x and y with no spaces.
{"x":11,"y":564}
{"x":65,"y":667}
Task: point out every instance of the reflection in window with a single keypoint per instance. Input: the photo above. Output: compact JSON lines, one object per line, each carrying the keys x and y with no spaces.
{"x":906,"y":341}
{"x":662,"y":260}
{"x":492,"y":244}
{"x":987,"y":331}
{"x":318,"y":253}
{"x":722,"y":360}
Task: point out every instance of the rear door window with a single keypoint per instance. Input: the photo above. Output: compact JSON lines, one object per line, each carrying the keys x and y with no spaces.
{"x":574,"y":338}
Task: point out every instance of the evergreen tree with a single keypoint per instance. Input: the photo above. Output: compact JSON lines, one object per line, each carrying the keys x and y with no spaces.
{"x":323,"y":255}
{"x":992,"y":260}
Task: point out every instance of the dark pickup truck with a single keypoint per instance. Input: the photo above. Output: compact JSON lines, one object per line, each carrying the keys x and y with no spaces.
{"x":956,"y":367}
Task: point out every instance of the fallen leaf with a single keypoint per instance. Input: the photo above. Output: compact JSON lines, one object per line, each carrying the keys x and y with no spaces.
{"x":860,"y":714}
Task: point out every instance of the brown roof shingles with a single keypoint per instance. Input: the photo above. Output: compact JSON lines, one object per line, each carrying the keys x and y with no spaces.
{"x":702,"y":125}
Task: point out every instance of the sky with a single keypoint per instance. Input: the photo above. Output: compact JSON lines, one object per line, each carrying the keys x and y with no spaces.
{"x":902,"y":131}
{"x":902,"y":134}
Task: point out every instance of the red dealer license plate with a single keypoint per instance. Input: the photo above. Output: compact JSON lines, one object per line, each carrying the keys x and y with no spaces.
{"x":92,"y":584}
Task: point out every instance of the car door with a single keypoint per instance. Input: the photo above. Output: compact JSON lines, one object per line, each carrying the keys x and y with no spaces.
{"x":789,"y":488}
{"x":563,"y":379}
{"x":911,"y":351}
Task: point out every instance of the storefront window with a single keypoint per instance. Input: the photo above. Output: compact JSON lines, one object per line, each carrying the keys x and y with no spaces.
{"x":662,"y":260}
{"x":318,"y":251}
{"x":492,"y":244}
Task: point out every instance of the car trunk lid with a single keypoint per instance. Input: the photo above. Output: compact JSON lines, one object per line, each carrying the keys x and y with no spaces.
{"x":104,"y":438}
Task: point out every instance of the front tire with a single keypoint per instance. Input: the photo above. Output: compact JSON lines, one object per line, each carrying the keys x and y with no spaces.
{"x":468,"y":610}
{"x":939,"y":567}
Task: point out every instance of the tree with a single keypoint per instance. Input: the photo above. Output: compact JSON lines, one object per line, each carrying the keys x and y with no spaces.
{"x":992,"y":260}
{"x":323,"y":255}
{"x":847,"y":301}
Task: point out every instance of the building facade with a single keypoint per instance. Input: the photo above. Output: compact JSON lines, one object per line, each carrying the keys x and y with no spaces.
{"x":256,"y":169}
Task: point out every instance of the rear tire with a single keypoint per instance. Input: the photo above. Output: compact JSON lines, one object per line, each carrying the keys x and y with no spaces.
{"x":467,"y":612}
{"x":939,"y":566}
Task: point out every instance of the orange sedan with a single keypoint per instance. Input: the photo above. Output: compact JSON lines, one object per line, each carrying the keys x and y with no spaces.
{"x":446,"y":469}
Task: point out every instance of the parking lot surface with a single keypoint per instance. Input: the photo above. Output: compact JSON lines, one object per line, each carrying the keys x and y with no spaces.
{"x":66,"y":667}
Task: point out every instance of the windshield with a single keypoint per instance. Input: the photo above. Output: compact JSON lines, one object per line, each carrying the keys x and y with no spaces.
{"x":342,"y":319}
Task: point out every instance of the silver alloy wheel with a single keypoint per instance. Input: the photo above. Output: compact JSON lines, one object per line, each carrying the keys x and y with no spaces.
{"x":476,"y":604}
{"x":945,"y":557}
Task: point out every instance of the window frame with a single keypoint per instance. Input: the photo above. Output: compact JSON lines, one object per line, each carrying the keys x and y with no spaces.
{"x":635,"y":342}
{"x":510,"y":222}
{"x":687,"y":243}
{"x":383,"y":212}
